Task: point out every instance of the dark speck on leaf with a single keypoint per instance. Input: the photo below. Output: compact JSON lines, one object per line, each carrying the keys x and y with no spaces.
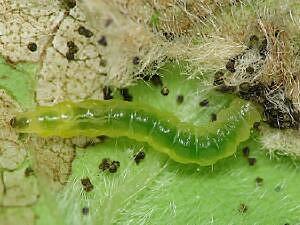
{"x":136,"y":60}
{"x":179,"y":99}
{"x":278,"y":188}
{"x":102,"y":41}
{"x":246,"y":151}
{"x":107,"y":93}
{"x":252,"y":161}
{"x":85,"y":210}
{"x":139,"y":157}
{"x":259,"y":181}
{"x":32,"y":46}
{"x":243,"y":208}
{"x":87,"y":185}
{"x":108,"y":22}
{"x":85,"y":32}
{"x":204,"y":102}
{"x":213,"y":117}
{"x":164,"y":91}
{"x":28,"y":172}
{"x":156,"y":80}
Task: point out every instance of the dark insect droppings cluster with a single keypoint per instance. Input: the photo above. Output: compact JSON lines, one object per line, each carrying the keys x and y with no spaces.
{"x":109,"y":165}
{"x":278,"y":118}
{"x":254,"y":92}
{"x":279,"y":114}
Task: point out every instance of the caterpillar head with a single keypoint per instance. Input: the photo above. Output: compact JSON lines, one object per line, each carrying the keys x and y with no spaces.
{"x":39,"y":122}
{"x":19,"y":123}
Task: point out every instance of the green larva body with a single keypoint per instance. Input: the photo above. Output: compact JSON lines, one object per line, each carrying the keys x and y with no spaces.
{"x":183,"y":142}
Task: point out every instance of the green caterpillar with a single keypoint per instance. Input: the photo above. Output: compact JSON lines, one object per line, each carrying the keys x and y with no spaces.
{"x":183,"y":142}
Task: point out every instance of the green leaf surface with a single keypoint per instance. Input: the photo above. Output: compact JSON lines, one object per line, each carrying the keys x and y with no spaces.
{"x":19,"y":81}
{"x":161,"y":191}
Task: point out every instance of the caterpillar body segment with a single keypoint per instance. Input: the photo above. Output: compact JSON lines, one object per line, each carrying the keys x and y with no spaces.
{"x":182,"y":141}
